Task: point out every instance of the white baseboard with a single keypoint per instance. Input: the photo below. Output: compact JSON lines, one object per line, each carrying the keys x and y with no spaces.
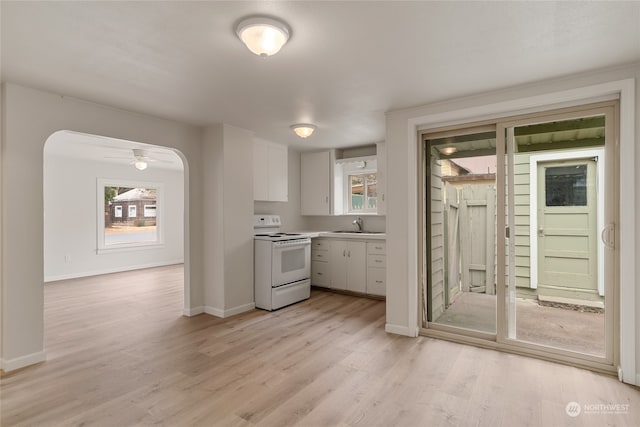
{"x":218,"y":312}
{"x":21,"y":362}
{"x":111,"y":270}
{"x":193,"y":311}
{"x":399,"y":330}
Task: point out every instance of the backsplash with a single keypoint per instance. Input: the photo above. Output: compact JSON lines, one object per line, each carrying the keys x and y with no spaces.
{"x":344,"y":222}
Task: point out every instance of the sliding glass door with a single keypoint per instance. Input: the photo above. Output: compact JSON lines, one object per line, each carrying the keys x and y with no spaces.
{"x":519,"y":233}
{"x":559,"y":214}
{"x":461,"y":200}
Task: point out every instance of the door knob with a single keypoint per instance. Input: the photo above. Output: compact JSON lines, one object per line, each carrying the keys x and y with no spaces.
{"x":540,"y":231}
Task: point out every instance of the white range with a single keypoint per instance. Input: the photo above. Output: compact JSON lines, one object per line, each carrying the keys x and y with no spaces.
{"x":282,"y":268}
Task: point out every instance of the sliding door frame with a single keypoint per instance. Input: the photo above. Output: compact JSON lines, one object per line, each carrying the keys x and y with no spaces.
{"x":500,"y":340}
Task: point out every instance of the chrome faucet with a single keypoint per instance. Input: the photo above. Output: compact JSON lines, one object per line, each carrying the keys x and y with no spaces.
{"x":358,"y":223}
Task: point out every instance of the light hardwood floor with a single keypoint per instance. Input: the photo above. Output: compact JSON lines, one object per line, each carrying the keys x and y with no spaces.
{"x":119,"y":353}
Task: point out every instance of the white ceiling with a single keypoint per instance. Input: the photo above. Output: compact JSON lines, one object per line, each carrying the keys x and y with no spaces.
{"x":345,"y":65}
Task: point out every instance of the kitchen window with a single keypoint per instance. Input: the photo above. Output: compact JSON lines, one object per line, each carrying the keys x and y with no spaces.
{"x":362,"y":193}
{"x":120,"y":225}
{"x":356,"y":186}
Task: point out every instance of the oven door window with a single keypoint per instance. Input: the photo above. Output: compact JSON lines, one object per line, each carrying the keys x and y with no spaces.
{"x":293,"y":260}
{"x":291,"y":263}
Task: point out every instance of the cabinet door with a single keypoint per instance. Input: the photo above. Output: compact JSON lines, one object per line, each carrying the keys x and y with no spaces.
{"x":320,"y":274}
{"x":357,"y":266}
{"x":381,"y":175}
{"x":376,"y":281}
{"x":260,"y":171}
{"x":278,"y":173}
{"x":315,"y":181}
{"x":338,"y":262}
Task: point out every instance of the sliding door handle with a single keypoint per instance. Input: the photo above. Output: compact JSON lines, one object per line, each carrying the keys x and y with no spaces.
{"x":608,"y":236}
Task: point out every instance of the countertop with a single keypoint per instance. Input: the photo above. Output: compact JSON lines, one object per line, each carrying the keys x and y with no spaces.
{"x":346,"y":235}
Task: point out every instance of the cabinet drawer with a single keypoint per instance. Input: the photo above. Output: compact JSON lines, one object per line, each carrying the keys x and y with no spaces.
{"x":319,"y":255}
{"x":379,"y":261}
{"x":320,"y":274}
{"x":377,"y":281}
{"x":321,"y":244}
{"x":379,"y":248}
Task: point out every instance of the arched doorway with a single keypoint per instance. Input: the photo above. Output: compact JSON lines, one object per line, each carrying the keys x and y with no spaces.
{"x":88,"y":231}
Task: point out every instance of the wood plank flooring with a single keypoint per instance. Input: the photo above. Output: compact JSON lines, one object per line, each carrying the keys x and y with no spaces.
{"x":119,"y":353}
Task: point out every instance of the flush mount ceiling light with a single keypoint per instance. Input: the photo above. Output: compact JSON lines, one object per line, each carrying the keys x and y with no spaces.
{"x":140,"y":159}
{"x":303,"y":130}
{"x":140,"y":165}
{"x":263,"y":36}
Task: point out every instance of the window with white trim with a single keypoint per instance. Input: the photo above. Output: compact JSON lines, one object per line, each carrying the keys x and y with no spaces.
{"x":362,"y":193}
{"x":120,"y":225}
{"x":149,"y":211}
{"x":355,"y":186}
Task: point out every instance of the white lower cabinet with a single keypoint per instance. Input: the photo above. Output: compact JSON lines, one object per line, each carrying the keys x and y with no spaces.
{"x":320,"y":269}
{"x":377,"y":268}
{"x":349,"y":265}
{"x":377,"y":281}
{"x":348,"y":262}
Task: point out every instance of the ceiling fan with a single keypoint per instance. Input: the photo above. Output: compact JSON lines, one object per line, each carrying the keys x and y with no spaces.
{"x":141,"y":159}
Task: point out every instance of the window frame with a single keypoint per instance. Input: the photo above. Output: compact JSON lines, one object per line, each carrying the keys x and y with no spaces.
{"x":342,"y":169}
{"x":348,"y":203}
{"x":101,"y":246}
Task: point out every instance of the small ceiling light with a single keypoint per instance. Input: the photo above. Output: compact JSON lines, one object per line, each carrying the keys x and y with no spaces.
{"x":303,"y":130}
{"x":140,"y":165}
{"x":447,"y":151}
{"x":263,"y":36}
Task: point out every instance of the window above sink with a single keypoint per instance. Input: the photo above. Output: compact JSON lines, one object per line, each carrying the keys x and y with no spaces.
{"x":356,"y":186}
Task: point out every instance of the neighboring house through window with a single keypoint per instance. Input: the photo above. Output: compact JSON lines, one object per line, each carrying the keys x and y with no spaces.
{"x":117,"y":231}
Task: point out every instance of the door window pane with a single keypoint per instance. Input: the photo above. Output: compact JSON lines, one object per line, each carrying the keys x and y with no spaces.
{"x":566,"y":185}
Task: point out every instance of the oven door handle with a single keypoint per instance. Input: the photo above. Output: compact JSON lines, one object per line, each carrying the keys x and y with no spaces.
{"x":292,"y":243}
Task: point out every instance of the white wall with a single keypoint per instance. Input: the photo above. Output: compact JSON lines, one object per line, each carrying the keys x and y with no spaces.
{"x":228,"y":228}
{"x":71,"y":218}
{"x":402,"y":218}
{"x":29,"y":117}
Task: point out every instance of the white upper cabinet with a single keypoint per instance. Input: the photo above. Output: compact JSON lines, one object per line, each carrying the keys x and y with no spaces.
{"x":270,"y":172}
{"x":381,"y":154}
{"x":315,"y":185}
{"x":278,"y":173}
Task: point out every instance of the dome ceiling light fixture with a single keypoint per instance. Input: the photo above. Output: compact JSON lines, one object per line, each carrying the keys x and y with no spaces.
{"x":303,"y":130}
{"x":263,"y":36}
{"x":140,"y":165}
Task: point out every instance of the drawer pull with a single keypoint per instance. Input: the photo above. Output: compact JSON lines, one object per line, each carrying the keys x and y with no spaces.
{"x":378,"y":281}
{"x":378,"y":260}
{"x":319,"y":274}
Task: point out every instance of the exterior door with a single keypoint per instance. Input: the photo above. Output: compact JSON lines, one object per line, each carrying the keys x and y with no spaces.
{"x":567,"y":221}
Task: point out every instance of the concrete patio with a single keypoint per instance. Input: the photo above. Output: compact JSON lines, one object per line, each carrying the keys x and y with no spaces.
{"x":563,"y":328}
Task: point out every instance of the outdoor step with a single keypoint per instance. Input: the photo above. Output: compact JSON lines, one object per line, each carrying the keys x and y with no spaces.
{"x":571,"y":301}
